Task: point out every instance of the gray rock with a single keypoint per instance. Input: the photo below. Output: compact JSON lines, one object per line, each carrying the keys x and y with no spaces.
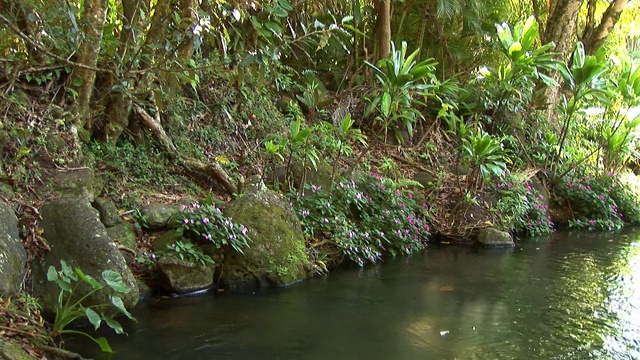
{"x":276,"y":255}
{"x":424,"y":178}
{"x":13,"y":257}
{"x":159,"y":216}
{"x":492,"y":237}
{"x":320,"y":176}
{"x":6,"y":191}
{"x":108,"y":212}
{"x":78,"y":183}
{"x":124,"y":234}
{"x":167,"y":238}
{"x":180,"y":276}
{"x":76,"y":235}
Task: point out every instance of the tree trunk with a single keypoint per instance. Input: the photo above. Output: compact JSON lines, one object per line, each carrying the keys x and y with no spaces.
{"x":117,"y":104}
{"x":383,"y":10}
{"x":83,"y":79}
{"x":190,"y":15}
{"x":593,"y":37}
{"x":561,"y":25}
{"x":560,"y":29}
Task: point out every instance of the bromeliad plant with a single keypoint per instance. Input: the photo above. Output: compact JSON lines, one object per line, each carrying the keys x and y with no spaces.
{"x":207,"y":223}
{"x":70,"y":307}
{"x":485,"y":156}
{"x":364,"y":218}
{"x":506,"y":92}
{"x":586,"y":87}
{"x":401,"y":81}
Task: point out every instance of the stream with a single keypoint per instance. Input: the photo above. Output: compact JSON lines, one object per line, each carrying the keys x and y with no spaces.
{"x":567,"y":296}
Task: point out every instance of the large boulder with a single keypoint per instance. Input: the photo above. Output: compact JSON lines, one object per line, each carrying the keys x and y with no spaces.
{"x":13,"y":257}
{"x":492,"y":237}
{"x":75,"y":234}
{"x":276,"y":256}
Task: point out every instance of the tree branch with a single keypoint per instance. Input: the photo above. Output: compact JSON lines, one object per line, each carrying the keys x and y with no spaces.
{"x":41,"y":49}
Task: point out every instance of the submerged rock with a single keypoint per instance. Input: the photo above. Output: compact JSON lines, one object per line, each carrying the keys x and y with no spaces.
{"x":492,"y":237}
{"x":276,"y":255}
{"x":13,"y":257}
{"x":75,"y":234}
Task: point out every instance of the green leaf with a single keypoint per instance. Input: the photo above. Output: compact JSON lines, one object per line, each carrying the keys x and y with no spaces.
{"x":115,"y":325}
{"x":104,"y":345}
{"x":68,"y":271}
{"x":117,"y":302}
{"x":385,"y":104}
{"x":346,"y":123}
{"x":93,"y":317}
{"x":114,"y":281}
{"x":88,"y":279}
{"x":274,"y":27}
{"x":52,"y":274}
{"x":515,"y":50}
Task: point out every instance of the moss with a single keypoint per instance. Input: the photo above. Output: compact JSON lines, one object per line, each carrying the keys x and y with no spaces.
{"x":277,"y":254}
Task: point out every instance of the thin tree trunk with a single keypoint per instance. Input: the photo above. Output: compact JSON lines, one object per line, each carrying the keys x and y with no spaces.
{"x":383,"y":10}
{"x":560,"y":29}
{"x":83,"y":80}
{"x":593,"y":37}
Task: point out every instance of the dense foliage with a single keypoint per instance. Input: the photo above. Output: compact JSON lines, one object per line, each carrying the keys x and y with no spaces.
{"x":365,"y":218}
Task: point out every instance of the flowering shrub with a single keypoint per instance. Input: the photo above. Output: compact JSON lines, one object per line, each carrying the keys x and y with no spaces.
{"x":189,"y":252}
{"x":521,"y":208}
{"x":365,"y":218}
{"x":599,"y":202}
{"x":207,"y":223}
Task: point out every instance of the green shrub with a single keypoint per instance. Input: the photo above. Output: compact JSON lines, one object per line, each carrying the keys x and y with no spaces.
{"x":207,"y":223}
{"x":598,"y":201}
{"x":521,"y":208}
{"x":188,"y":251}
{"x":364,"y":218}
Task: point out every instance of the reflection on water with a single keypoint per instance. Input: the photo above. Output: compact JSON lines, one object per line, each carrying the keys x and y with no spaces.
{"x":572,"y":296}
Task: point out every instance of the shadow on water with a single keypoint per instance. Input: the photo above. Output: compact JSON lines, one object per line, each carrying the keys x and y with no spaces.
{"x":570,"y":296}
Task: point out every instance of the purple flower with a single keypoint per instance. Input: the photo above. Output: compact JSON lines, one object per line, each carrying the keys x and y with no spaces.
{"x":207,"y":237}
{"x":205,"y":220}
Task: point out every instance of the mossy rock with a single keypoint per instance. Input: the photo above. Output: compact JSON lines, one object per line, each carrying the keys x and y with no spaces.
{"x":159,"y":216}
{"x":124,"y":233}
{"x":78,"y":183}
{"x":276,"y":256}
{"x":491,"y":237}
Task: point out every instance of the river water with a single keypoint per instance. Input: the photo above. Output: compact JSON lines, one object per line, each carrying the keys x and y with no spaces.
{"x":569,"y":296}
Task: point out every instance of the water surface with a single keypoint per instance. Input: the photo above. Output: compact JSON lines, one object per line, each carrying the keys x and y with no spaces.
{"x":569,"y":296}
